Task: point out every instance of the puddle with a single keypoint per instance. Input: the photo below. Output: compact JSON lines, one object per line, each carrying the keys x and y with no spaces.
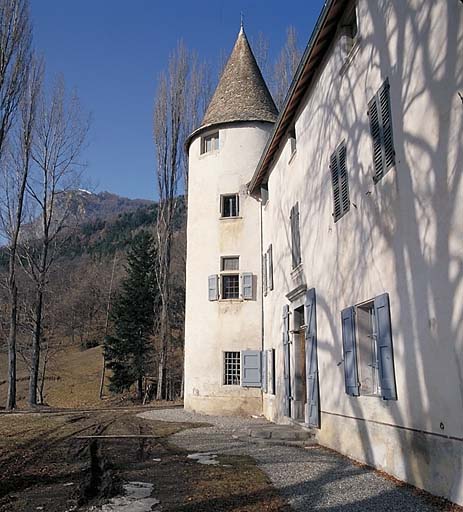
{"x":136,"y":499}
{"x":207,"y":458}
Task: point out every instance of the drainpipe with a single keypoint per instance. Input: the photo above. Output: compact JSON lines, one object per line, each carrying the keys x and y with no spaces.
{"x":262,"y":284}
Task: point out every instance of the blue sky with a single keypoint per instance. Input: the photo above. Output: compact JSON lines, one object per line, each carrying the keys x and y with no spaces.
{"x":111,"y":52}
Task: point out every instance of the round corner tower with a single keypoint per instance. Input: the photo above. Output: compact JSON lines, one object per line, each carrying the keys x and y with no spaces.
{"x":223,"y":319}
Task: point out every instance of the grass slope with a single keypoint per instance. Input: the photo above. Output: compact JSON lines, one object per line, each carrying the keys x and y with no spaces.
{"x":73,"y":379}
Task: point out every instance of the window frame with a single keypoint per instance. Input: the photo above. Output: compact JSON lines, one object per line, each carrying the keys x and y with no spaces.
{"x":231,"y":358}
{"x":370,"y":359}
{"x":214,"y":137}
{"x":223,"y":198}
{"x":225,"y":276}
{"x":229,"y":258}
{"x":382,"y":357}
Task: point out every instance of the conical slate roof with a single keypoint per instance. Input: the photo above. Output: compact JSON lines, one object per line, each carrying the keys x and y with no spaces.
{"x":242,"y":94}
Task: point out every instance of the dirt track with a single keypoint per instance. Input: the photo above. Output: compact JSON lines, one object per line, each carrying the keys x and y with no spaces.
{"x":58,"y":462}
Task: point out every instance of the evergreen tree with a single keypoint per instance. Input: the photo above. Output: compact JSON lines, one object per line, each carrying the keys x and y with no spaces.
{"x":128,"y":352}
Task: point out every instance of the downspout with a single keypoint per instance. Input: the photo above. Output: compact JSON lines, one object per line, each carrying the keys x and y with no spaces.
{"x":262,"y":285}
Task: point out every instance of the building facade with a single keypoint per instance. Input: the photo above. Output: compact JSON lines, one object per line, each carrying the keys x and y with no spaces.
{"x":360,"y":193}
{"x":223,"y":322}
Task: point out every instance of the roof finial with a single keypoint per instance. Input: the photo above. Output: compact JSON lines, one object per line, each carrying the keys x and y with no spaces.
{"x":242,"y":23}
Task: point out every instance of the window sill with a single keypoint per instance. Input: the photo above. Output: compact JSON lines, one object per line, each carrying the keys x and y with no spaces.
{"x":230,"y":218}
{"x":214,"y":152}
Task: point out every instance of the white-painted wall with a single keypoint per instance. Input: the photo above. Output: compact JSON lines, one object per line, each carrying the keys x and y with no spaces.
{"x":214,"y":327}
{"x":403,"y":236}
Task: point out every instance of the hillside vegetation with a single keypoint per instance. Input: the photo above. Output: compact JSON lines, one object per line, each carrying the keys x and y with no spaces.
{"x":85,"y":278}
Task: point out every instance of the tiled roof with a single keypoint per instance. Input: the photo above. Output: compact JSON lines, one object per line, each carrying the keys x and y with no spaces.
{"x":242,"y":94}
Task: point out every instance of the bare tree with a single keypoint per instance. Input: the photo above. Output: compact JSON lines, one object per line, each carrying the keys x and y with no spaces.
{"x":199,"y":93}
{"x":261,"y":51}
{"x":14,"y":175}
{"x":15,"y":56}
{"x":59,"y":138}
{"x":285,"y":67}
{"x":182,"y":96}
{"x":169,"y":112}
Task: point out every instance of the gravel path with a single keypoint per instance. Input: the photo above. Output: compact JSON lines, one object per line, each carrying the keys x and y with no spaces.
{"x":310,"y":479}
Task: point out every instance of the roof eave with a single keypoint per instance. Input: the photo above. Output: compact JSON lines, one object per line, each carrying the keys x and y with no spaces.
{"x":297,"y":90}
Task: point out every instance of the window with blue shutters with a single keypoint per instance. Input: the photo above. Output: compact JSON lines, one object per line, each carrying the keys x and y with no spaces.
{"x":267,"y":270}
{"x":230,"y":284}
{"x":368,"y":349}
{"x":339,"y":182}
{"x":379,"y":113}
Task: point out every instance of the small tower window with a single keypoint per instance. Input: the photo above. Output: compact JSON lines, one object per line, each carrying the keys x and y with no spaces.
{"x":230,"y":263}
{"x":210,"y":143}
{"x":229,"y":205}
{"x":230,"y":278}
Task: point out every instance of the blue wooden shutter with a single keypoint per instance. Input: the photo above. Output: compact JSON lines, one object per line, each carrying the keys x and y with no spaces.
{"x":251,"y":369}
{"x":247,"y":285}
{"x":213,"y":287}
{"x":270,"y":267}
{"x":376,"y":131}
{"x":384,"y":100}
{"x":313,"y":393}
{"x":334,"y":169}
{"x":384,"y":347}
{"x":264,"y":371}
{"x":286,"y":362}
{"x":379,"y":112}
{"x":339,"y":182}
{"x":343,"y":178}
{"x":350,"y":351}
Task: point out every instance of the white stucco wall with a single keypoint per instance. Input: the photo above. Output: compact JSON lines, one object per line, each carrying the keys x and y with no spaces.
{"x":225,"y":325}
{"x":403,"y":236}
